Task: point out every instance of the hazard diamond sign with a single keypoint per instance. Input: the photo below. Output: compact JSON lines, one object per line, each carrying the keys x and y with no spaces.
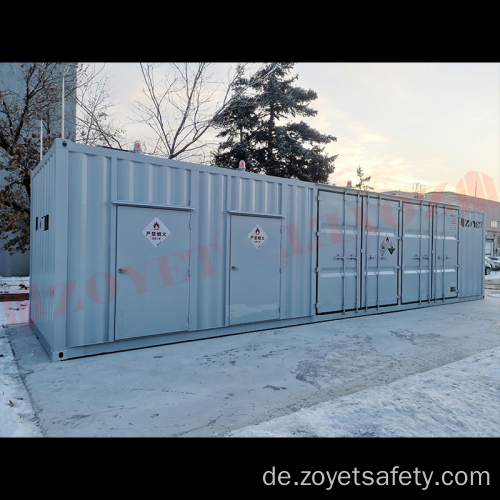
{"x":257,"y":236}
{"x":387,"y":245}
{"x":156,"y":232}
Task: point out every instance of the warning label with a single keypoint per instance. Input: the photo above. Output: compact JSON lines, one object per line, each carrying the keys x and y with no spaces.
{"x":387,"y":245}
{"x":156,"y":232}
{"x":257,"y":236}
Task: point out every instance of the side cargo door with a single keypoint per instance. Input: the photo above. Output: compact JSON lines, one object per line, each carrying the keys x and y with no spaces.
{"x":339,"y":244}
{"x":445,"y":239}
{"x":379,"y":285}
{"x":417,"y":253}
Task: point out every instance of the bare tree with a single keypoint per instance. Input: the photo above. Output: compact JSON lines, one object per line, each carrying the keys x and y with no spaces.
{"x":183,"y":104}
{"x":33,"y":99}
{"x":94,"y":99}
{"x":35,"y":96}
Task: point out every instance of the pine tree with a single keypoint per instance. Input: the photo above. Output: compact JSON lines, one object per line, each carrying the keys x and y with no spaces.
{"x":252,"y":131}
{"x":363,"y":180}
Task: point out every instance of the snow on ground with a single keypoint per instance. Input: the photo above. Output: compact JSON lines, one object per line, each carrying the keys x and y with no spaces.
{"x":492,"y":276}
{"x":458,"y":399}
{"x":492,"y":284}
{"x":14,"y":284}
{"x":17,"y":418}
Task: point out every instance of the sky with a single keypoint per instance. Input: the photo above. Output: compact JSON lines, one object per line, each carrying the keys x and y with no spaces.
{"x":436,"y":124}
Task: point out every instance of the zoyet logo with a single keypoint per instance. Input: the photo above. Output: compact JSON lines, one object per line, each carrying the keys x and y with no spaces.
{"x":471,"y":223}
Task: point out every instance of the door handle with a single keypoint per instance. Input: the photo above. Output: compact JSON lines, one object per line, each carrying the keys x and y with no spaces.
{"x":121,"y":271}
{"x":234,"y":268}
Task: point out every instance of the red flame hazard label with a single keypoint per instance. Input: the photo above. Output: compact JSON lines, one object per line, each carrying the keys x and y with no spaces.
{"x":156,"y":232}
{"x":257,"y":236}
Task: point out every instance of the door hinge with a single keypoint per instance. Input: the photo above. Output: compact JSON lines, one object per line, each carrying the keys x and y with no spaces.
{"x":317,"y":269}
{"x":318,"y":198}
{"x":189,"y":319}
{"x":318,"y":234}
{"x":190,"y":226}
{"x":317,"y":305}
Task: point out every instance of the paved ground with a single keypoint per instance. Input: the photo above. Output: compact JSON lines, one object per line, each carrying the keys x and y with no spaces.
{"x":212,"y":387}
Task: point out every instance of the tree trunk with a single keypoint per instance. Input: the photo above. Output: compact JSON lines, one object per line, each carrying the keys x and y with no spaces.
{"x":270,"y":130}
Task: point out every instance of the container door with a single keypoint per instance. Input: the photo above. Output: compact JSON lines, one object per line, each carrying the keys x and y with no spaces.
{"x":152,"y":271}
{"x":380,"y":252}
{"x":417,"y":253}
{"x":339,"y":244}
{"x":445,"y":238}
{"x":254,"y":283}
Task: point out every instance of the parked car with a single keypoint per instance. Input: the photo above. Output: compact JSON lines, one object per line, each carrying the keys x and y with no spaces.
{"x":487,"y":267}
{"x":495,"y":260}
{"x":495,"y":264}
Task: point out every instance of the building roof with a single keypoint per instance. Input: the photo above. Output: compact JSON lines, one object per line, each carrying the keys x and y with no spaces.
{"x":464,"y":200}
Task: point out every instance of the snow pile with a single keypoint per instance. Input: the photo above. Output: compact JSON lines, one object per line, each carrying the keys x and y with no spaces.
{"x":17,"y":418}
{"x":458,"y":399}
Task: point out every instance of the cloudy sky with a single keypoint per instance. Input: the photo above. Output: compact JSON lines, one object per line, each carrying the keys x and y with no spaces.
{"x":433,"y":123}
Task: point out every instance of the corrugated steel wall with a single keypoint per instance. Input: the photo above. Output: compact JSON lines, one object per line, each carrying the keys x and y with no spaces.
{"x":251,"y":195}
{"x":150,"y":183}
{"x":210,"y":253}
{"x":298,"y":252}
{"x":43,"y":275}
{"x":89,"y":236}
{"x":90,"y":232}
{"x":80,"y":187}
{"x":223,"y":192}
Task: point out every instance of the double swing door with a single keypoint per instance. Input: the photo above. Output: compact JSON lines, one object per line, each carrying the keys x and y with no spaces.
{"x":358,"y":248}
{"x":364,"y":244}
{"x":430,"y":253}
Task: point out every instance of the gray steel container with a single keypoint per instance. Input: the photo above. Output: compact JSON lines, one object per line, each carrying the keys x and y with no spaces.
{"x":130,"y":250}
